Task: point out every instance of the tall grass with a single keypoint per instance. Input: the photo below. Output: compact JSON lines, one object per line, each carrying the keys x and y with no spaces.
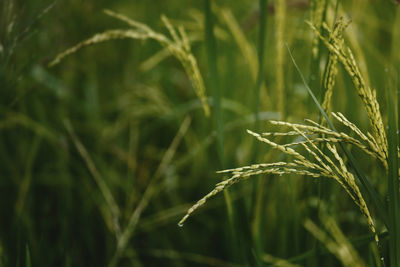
{"x":104,"y":153}
{"x":302,"y":166}
{"x":393,"y":181}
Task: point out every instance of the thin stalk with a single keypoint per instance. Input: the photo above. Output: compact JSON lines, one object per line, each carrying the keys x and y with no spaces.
{"x":315,"y":81}
{"x":396,"y":62}
{"x":280,"y":17}
{"x":151,"y":190}
{"x":26,"y":183}
{"x":258,"y":184}
{"x":28,"y":262}
{"x":211,"y":47}
{"x":336,"y":10}
{"x":211,"y":51}
{"x":261,"y":48}
{"x":315,"y":73}
{"x":393,"y":184}
{"x":393,"y":142}
{"x":100,"y":181}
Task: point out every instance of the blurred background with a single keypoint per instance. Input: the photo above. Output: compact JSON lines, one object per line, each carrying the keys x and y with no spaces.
{"x":120,"y":118}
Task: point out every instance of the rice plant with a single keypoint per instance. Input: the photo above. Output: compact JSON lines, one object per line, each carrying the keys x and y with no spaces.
{"x":117,"y":117}
{"x":179,"y":46}
{"x":328,"y":163}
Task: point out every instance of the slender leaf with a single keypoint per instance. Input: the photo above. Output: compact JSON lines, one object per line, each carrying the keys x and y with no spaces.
{"x":257,"y":184}
{"x":211,"y":51}
{"x":27,"y":257}
{"x":211,"y":46}
{"x":393,"y":184}
{"x":261,"y":49}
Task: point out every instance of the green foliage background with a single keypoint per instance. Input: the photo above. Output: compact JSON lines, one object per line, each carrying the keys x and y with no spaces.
{"x":126,"y":118}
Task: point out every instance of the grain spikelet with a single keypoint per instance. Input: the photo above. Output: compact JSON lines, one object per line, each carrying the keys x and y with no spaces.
{"x":314,"y":162}
{"x":355,"y":191}
{"x":179,"y":47}
{"x":99,"y":38}
{"x":366,"y":143}
{"x":367,"y":95}
{"x":227,"y":183}
{"x":331,"y":69}
{"x":369,"y":139}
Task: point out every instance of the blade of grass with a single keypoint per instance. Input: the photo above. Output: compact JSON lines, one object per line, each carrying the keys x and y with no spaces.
{"x":104,"y":189}
{"x":315,"y":82}
{"x":149,"y":192}
{"x":26,"y":183}
{"x":280,"y":21}
{"x":395,"y":58}
{"x":211,"y":51}
{"x":258,"y":184}
{"x":336,"y":10}
{"x":393,"y":183}
{"x":261,"y":48}
{"x":27,"y":257}
{"x":359,"y":174}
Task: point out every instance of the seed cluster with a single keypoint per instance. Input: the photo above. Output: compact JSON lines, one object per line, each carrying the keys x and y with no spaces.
{"x":178,"y":46}
{"x":309,"y":161}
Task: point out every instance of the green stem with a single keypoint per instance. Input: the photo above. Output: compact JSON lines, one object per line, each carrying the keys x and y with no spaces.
{"x":258,"y":184}
{"x":393,"y":183}
{"x":211,"y":46}
{"x":211,"y":51}
{"x":261,"y":49}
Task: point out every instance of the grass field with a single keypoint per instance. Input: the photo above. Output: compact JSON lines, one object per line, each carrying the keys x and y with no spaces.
{"x":199,"y":133}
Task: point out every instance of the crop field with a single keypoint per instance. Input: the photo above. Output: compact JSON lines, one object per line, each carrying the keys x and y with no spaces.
{"x":199,"y":133}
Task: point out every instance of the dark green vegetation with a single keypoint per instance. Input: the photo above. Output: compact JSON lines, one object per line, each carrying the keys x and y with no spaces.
{"x":102,"y":154}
